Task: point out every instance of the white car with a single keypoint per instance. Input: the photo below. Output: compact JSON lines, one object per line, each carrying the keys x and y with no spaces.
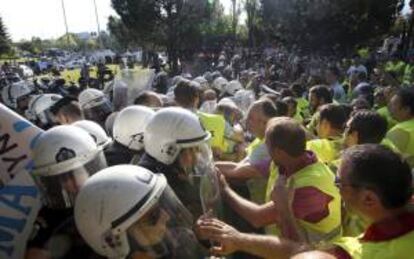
{"x":26,"y":71}
{"x":73,"y":64}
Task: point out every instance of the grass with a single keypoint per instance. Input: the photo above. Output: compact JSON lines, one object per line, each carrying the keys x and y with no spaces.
{"x":74,"y":74}
{"x":16,"y":60}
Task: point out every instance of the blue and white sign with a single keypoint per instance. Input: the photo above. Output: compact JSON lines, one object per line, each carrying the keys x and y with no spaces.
{"x":19,"y":196}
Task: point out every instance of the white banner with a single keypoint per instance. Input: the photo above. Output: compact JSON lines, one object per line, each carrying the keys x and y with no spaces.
{"x":19,"y":196}
{"x":17,"y":137}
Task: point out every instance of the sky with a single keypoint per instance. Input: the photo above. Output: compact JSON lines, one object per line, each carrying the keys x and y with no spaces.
{"x":44,"y":18}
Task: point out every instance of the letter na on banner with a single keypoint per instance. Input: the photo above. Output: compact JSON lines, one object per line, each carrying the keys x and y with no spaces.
{"x":19,"y":196}
{"x":17,"y":138}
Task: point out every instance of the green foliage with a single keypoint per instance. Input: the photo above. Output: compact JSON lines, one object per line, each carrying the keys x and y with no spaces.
{"x":68,"y":41}
{"x":254,"y":21}
{"x":34,"y":46}
{"x":174,"y":25}
{"x":122,"y":38}
{"x":5,"y":43}
{"x":334,"y":25}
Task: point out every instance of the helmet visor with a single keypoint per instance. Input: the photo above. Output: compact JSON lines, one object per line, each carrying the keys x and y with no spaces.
{"x":209,"y":184}
{"x":164,"y":231}
{"x":201,"y":170}
{"x":60,"y":190}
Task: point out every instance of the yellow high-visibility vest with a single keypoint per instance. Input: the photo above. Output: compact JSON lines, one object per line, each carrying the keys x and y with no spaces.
{"x":325,"y":149}
{"x":402,"y":136}
{"x":318,"y":175}
{"x":216,"y":125}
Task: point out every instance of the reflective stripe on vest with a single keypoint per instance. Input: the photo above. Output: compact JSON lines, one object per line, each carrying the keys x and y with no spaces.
{"x":319,"y":176}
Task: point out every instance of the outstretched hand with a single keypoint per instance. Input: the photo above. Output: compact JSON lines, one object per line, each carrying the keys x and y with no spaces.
{"x":223,"y":236}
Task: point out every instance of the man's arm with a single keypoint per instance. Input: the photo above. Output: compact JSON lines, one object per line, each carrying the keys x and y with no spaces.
{"x":241,"y":171}
{"x":230,"y":240}
{"x":280,"y":197}
{"x":256,"y":215}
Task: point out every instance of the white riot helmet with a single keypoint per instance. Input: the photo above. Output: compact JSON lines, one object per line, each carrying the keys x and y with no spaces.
{"x":96,"y":131}
{"x":95,"y":105}
{"x":125,"y":209}
{"x":170,"y":131}
{"x":176,"y":80}
{"x":39,"y":108}
{"x":202,"y":81}
{"x":129,"y":126}
{"x":244,"y":99}
{"x":220,"y":84}
{"x":227,"y":102}
{"x":233,"y":87}
{"x":64,"y":157}
{"x":13,"y":93}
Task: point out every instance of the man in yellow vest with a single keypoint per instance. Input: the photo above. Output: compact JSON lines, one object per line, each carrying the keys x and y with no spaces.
{"x":332,"y":119}
{"x":309,"y":198}
{"x":302,"y":103}
{"x":293,"y":111}
{"x":382,"y":98}
{"x":402,"y":134}
{"x":318,"y":96}
{"x":187,"y":96}
{"x":254,"y":168}
{"x":375,"y":183}
{"x":366,"y":127}
{"x":234,"y":134}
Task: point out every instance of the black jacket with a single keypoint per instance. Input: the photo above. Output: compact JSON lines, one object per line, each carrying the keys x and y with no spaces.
{"x":187,"y":191}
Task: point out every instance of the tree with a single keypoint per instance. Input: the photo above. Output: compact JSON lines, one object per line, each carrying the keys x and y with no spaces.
{"x":68,"y":41}
{"x":124,"y":38}
{"x":5,"y":42}
{"x":252,"y":8}
{"x":171,"y":24}
{"x":217,"y":28}
{"x":327,"y":25}
{"x":36,"y":45}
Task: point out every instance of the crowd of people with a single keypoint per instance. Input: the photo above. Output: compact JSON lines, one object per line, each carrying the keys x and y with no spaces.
{"x":280,"y":156}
